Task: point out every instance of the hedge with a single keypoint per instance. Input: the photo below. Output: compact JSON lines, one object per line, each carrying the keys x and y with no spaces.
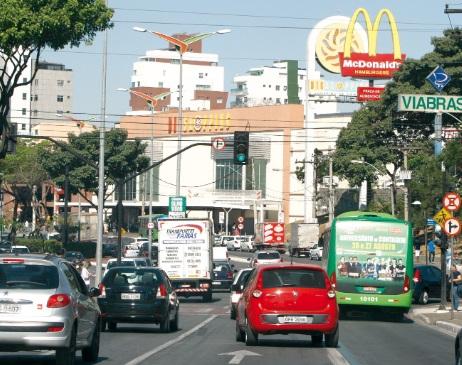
{"x":37,"y":245}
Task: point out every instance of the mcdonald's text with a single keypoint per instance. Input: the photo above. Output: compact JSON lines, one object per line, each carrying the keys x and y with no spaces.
{"x":362,"y":65}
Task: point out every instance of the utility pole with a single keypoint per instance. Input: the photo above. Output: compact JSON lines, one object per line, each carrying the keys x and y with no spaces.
{"x":331,"y":189}
{"x":406,"y":190}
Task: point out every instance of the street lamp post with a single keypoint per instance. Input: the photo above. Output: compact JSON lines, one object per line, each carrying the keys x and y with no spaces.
{"x":393,"y":186}
{"x":182,"y":47}
{"x":152,"y":102}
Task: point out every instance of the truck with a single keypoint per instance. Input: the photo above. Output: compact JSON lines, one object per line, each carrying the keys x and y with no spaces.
{"x":303,"y":237}
{"x":270,"y":235}
{"x":185,"y":254}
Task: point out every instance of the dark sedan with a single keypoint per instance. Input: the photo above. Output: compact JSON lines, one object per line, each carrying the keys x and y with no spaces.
{"x":74,"y":257}
{"x":138,"y":295}
{"x":427,"y":284}
{"x":222,"y":275}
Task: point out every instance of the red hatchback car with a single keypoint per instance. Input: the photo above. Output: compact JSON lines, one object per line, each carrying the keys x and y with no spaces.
{"x":288,"y":298}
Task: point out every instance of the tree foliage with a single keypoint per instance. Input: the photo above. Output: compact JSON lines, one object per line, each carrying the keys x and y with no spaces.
{"x":29,"y":26}
{"x":122,"y":159}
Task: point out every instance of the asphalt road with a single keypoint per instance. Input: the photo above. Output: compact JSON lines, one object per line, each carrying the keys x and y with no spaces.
{"x":206,"y":336}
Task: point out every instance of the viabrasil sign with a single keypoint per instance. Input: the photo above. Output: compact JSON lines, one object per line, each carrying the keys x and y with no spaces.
{"x":429,"y":103}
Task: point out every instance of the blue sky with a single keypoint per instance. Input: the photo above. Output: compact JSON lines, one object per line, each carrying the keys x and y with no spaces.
{"x":262,"y":31}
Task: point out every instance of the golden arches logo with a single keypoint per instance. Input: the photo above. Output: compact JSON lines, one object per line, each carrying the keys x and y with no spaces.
{"x":371,"y":65}
{"x":372,"y":32}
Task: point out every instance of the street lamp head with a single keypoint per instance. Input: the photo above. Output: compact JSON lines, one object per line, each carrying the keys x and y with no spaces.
{"x":139,"y":29}
{"x":417,"y":203}
{"x":223,"y":31}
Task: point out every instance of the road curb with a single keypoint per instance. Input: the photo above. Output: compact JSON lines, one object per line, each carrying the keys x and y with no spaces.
{"x":447,"y":326}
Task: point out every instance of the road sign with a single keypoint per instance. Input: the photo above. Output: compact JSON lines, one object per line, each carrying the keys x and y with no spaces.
{"x":150,"y":225}
{"x":177,"y":204}
{"x":451,"y":201}
{"x":431,"y":222}
{"x":442,"y":216}
{"x":176,"y":215}
{"x":240,"y":219}
{"x":438,"y":78}
{"x":429,"y":103}
{"x":452,"y":227}
{"x":218,"y":143}
{"x":240,"y":226}
{"x":221,"y":217}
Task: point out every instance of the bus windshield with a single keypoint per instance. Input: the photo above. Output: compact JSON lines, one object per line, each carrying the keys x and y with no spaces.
{"x":371,"y":256}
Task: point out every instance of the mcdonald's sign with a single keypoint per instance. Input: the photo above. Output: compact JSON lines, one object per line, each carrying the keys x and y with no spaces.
{"x":371,"y":65}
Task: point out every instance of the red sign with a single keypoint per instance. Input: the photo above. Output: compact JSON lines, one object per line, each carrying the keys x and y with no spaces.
{"x":240,"y":219}
{"x":451,"y":201}
{"x":452,"y":227}
{"x":369,"y":93}
{"x":273,"y":233}
{"x":363,"y":66}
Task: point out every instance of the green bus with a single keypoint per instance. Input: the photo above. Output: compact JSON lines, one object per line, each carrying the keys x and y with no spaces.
{"x":369,"y":258}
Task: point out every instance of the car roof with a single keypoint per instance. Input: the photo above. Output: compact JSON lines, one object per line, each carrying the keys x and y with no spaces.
{"x":18,"y":246}
{"x":32,"y":257}
{"x":289,"y":266}
{"x":266,"y":251}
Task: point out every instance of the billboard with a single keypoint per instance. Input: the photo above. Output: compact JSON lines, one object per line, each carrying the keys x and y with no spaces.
{"x":371,"y":65}
{"x":369,"y":93}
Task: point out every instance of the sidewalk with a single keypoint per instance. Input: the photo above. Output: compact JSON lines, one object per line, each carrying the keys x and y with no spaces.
{"x":431,"y":315}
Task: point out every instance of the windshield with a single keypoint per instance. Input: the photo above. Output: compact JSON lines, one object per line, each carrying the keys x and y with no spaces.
{"x":268,"y":256}
{"x":129,"y":276}
{"x":370,"y":253}
{"x":300,"y":278}
{"x":27,"y":276}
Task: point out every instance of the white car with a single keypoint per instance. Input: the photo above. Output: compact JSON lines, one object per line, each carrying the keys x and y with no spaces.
{"x":20,"y":250}
{"x":316,"y":253}
{"x":247,"y":243}
{"x":237,"y":288}
{"x":131,"y":250}
{"x":265,"y":257}
{"x":233,"y":244}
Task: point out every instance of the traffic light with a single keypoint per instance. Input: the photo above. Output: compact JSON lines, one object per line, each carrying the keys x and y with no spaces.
{"x":241,"y":148}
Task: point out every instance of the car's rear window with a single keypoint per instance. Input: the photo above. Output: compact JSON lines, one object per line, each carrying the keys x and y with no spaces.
{"x":268,"y":255}
{"x":129,"y":276}
{"x":301,"y":278}
{"x":123,"y":263}
{"x":243,"y":277}
{"x":20,"y":250}
{"x":221,"y":267}
{"x":28,"y":276}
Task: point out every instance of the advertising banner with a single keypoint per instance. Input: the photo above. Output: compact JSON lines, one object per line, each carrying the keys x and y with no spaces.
{"x":369,"y":93}
{"x":371,"y":65}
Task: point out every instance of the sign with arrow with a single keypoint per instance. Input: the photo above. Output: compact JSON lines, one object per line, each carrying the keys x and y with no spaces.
{"x":452,"y":227}
{"x":238,"y":356}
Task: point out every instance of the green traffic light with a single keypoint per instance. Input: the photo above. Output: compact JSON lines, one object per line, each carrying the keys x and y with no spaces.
{"x":240,"y":157}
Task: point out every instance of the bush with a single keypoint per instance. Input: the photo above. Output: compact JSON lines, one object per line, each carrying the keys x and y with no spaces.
{"x":37,"y":245}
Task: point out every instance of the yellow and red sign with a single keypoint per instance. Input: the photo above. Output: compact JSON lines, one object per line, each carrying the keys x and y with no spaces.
{"x":371,"y":65}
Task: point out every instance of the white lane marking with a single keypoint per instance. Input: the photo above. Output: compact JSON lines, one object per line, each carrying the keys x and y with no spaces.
{"x":173,"y":341}
{"x":335,"y":357}
{"x":238,"y":356}
{"x":204,"y":310}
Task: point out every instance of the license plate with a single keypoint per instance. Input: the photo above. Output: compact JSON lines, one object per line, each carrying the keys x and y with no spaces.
{"x":216,"y":283}
{"x":185,"y":286}
{"x":9,"y":308}
{"x":295,"y":319}
{"x":130,"y":296}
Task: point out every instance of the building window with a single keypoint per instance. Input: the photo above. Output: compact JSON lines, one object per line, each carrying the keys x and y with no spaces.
{"x":24,"y":79}
{"x":36,"y":82}
{"x":133,"y":84}
{"x":203,"y":87}
{"x":60,"y":112}
{"x":301,"y":77}
{"x":286,"y":101}
{"x":201,"y":75}
{"x":220,"y":101}
{"x":278,"y":100}
{"x":36,"y":132}
{"x":228,"y":175}
{"x":23,"y":127}
{"x":299,"y":89}
{"x":59,"y":98}
{"x":134,"y":72}
{"x":68,"y":97}
{"x":129,"y":191}
{"x":35,"y":112}
{"x":161,"y":84}
{"x":24,"y":96}
{"x":269,"y":86}
{"x":285,"y":88}
{"x":174,"y":61}
{"x":60,"y":83}
{"x":155,"y":188}
{"x":278,"y":87}
{"x":24,"y":111}
{"x":264,"y":85}
{"x":256,"y":175}
{"x":35,"y":97}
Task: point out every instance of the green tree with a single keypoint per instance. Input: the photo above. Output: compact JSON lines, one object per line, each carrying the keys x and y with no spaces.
{"x":122,"y":159}
{"x":21,"y":171}
{"x":27,"y":27}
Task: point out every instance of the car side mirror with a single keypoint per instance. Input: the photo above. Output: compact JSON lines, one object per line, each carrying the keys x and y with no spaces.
{"x":94,"y":292}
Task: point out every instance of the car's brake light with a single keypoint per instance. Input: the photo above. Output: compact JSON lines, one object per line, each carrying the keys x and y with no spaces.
{"x":55,"y":329}
{"x":229,"y":275}
{"x":204,"y":285}
{"x":102,"y":290}
{"x":417,"y":276}
{"x":333,"y":279}
{"x":407,"y":284}
{"x":257,"y":293}
{"x":13,"y":261}
{"x":161,"y":291}
{"x":58,"y":301}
